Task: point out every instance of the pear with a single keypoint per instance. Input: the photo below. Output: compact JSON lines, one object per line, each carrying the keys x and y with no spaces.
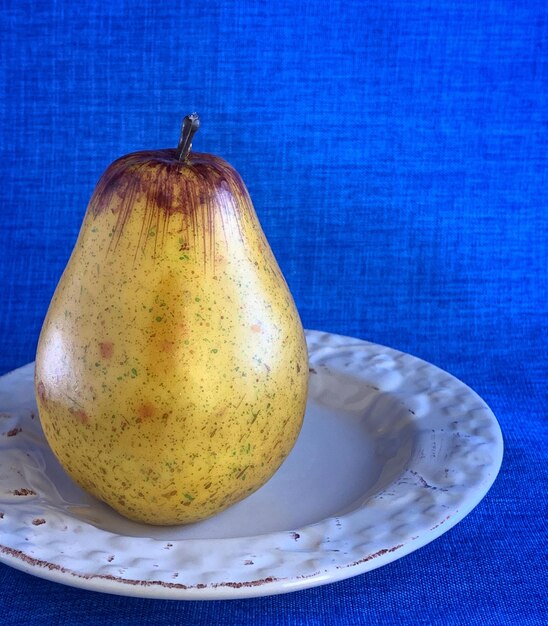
{"x":171,"y":370}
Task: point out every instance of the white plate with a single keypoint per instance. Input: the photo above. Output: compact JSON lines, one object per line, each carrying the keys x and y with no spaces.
{"x":393,"y":453}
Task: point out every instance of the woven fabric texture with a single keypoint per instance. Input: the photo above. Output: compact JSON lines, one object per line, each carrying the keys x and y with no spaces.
{"x":396,"y":153}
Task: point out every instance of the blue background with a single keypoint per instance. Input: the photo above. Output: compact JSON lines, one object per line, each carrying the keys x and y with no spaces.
{"x":396,"y":153}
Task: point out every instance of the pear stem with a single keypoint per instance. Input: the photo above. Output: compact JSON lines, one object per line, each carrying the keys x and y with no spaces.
{"x":190,"y":125}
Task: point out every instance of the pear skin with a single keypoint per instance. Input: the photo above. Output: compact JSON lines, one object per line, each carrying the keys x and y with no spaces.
{"x":172,"y":369}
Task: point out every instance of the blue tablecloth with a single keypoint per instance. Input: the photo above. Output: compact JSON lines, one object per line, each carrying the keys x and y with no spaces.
{"x":396,"y":153}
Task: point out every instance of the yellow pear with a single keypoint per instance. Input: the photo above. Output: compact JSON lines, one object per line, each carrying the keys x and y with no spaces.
{"x":172,"y":370}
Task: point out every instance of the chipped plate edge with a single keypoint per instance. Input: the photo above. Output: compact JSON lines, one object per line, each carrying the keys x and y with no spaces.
{"x":273,"y":585}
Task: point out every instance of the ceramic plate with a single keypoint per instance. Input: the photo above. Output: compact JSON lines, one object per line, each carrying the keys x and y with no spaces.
{"x":393,"y":453}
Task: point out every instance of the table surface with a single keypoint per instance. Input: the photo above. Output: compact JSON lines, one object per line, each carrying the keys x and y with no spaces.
{"x":396,"y":155}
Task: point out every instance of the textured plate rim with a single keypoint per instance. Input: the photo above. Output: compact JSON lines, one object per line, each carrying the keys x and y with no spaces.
{"x":271,"y":585}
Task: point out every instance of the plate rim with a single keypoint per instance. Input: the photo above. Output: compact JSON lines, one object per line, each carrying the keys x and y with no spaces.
{"x":273,"y":585}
